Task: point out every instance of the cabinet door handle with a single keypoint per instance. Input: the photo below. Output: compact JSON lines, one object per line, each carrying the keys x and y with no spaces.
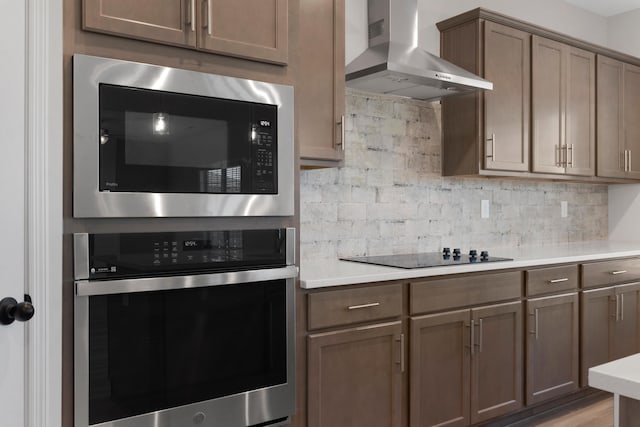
{"x":342,"y":133}
{"x":535,"y":323}
{"x":191,"y":14}
{"x":615,"y":273}
{"x":564,"y":279}
{"x":570,"y":162}
{"x":401,"y":340}
{"x":205,"y":16}
{"x":492,"y":156}
{"x":622,"y":307}
{"x":471,"y":339}
{"x":480,"y":337}
{"x":626,"y":160}
{"x":617,"y":308}
{"x":369,"y":305}
{"x":558,"y":155}
{"x":629,"y":160}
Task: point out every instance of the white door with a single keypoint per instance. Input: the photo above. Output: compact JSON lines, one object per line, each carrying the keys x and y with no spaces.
{"x":12,"y":202}
{"x":31,"y":209}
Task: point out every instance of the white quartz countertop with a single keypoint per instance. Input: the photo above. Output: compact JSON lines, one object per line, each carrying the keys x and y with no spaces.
{"x":333,"y":272}
{"x":621,"y":376}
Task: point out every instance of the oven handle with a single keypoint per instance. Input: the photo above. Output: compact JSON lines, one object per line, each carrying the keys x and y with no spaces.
{"x":149,"y":284}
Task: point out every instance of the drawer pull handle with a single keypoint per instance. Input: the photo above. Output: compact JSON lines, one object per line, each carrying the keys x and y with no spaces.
{"x":356,"y":307}
{"x":564,"y":279}
{"x":618,"y":272}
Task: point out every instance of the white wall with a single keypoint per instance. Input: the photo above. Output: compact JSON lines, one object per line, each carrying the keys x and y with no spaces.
{"x":624,"y":200}
{"x":624,"y":212}
{"x":624,"y":32}
{"x":553,"y":14}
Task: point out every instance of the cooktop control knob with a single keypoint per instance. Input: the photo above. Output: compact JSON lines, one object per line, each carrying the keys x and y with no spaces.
{"x":446,"y":253}
{"x":484,"y":256}
{"x":456,"y":253}
{"x":473,"y":255}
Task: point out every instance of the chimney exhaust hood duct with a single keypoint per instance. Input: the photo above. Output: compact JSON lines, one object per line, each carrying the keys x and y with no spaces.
{"x":394,"y":64}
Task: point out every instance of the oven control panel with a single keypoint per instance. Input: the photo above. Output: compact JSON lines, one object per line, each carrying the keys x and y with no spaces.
{"x":116,"y":255}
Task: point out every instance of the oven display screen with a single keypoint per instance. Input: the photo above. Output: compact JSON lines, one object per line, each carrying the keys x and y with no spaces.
{"x":196,"y":245}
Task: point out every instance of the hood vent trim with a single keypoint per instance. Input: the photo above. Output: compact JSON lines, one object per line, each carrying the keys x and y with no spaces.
{"x":394,"y":65}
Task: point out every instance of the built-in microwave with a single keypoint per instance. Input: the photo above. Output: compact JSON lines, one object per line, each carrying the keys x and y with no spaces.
{"x":152,"y":141}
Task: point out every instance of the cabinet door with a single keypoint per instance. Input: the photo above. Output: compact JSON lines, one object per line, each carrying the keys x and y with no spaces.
{"x":597,"y":321}
{"x":439,"y":363}
{"x":496,"y":364}
{"x":355,"y":376}
{"x":627,"y":330}
{"x":506,"y":64}
{"x":610,"y":136}
{"x":548,"y":105}
{"x":580,"y":113}
{"x":552,"y":347}
{"x":631,"y":122}
{"x":163,"y":21}
{"x":320,"y":92}
{"x":252,"y":29}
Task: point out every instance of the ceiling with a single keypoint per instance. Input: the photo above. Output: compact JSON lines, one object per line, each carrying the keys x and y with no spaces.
{"x":607,"y":7}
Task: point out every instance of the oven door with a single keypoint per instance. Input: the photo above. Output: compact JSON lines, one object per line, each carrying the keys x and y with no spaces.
{"x":206,"y":350}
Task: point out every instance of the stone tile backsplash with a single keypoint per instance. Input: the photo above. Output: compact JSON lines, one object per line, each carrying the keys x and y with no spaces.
{"x":389,"y":196}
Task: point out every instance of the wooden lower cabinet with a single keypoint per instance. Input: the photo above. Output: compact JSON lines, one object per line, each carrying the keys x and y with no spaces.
{"x":552,"y":347}
{"x":355,"y":377}
{"x":497,"y":361}
{"x":610,"y":326}
{"x":466,"y":365}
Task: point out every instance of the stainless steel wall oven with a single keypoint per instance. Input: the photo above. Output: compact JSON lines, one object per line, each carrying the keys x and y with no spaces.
{"x":153,"y":141}
{"x":175,"y":329}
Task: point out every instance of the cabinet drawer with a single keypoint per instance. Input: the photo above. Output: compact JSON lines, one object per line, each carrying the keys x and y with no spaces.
{"x":552,"y":279}
{"x":343,"y":307}
{"x":610,"y":272}
{"x":442,"y":294}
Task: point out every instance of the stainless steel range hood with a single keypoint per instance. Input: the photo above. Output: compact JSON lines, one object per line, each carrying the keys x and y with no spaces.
{"x":394,"y":64}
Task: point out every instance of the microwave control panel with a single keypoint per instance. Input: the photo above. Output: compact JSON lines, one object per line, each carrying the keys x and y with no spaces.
{"x":264,"y":158}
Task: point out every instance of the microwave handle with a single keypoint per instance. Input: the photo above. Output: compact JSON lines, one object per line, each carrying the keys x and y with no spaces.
{"x":150,"y":284}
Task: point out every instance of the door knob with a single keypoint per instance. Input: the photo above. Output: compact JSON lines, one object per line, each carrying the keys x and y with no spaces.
{"x":11,"y":310}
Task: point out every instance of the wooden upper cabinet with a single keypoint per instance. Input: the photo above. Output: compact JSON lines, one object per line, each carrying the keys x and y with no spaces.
{"x":631,"y":107}
{"x":548,"y":89}
{"x":618,"y":112}
{"x":165,"y":21}
{"x":580,"y":112}
{"x":320,"y":104}
{"x":251,"y":29}
{"x":563,"y":112}
{"x":488,"y":131}
{"x":507,"y":65}
{"x":610,"y":86}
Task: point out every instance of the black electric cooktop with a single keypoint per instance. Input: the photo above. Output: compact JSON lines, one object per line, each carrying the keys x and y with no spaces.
{"x":423,"y":260}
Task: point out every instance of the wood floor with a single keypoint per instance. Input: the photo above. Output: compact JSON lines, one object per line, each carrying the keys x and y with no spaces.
{"x":594,"y":414}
